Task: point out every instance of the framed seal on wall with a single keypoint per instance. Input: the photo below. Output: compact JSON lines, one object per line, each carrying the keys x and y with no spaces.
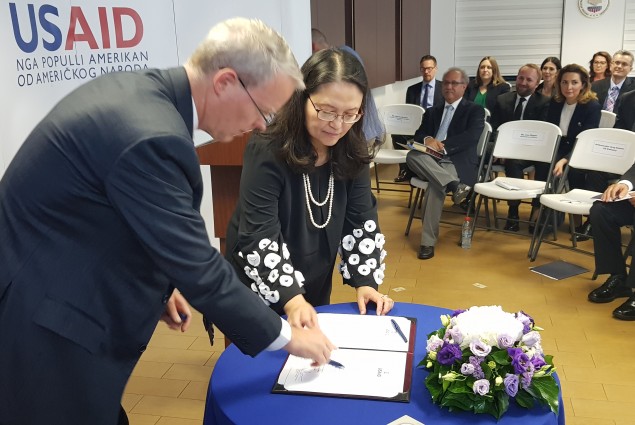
{"x":593,"y":8}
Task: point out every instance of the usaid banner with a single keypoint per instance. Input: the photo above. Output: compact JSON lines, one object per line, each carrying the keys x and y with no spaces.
{"x":50,"y":47}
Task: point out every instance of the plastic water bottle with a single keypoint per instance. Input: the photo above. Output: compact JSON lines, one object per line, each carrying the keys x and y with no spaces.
{"x":466,"y":233}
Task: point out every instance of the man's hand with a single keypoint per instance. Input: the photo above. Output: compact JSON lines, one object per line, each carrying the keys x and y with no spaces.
{"x":558,"y":169}
{"x":434,"y":144}
{"x":615,"y":191}
{"x":300,"y":313}
{"x":310,"y":344}
{"x":366,"y":294}
{"x":177,"y":312}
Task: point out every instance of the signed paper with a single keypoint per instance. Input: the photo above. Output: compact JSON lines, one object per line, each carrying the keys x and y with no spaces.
{"x":369,"y":331}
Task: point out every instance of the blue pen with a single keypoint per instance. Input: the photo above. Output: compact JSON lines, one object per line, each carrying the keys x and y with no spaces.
{"x":183,"y":317}
{"x":336,"y":364}
{"x":399,"y":331}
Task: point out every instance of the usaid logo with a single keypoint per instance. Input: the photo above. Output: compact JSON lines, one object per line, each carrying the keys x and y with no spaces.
{"x":32,"y":27}
{"x":593,"y":8}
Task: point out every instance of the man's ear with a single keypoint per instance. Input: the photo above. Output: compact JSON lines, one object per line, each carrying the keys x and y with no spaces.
{"x":224,"y":79}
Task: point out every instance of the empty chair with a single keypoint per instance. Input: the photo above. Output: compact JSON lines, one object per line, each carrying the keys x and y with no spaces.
{"x":607,"y":119}
{"x":528,"y":140}
{"x":609,"y":150}
{"x":402,"y":119}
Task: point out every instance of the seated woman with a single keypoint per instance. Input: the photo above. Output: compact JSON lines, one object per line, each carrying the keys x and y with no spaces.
{"x":305,"y":197}
{"x":488,"y":84}
{"x":600,"y":66}
{"x":574,"y":108}
{"x":549,"y":68}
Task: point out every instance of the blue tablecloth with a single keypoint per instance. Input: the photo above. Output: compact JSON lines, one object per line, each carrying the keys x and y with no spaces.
{"x":240,"y":390}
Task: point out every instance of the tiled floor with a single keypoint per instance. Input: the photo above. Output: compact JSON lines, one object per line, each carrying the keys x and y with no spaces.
{"x":593,"y":352}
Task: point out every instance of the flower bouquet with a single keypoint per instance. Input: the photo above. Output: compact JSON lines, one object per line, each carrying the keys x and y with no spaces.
{"x":483,"y":357}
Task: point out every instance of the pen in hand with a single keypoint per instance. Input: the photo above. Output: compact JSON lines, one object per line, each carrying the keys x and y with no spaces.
{"x":336,"y":364}
{"x":398,"y":329}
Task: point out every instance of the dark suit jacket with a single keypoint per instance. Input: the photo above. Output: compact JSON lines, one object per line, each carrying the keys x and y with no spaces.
{"x":99,"y":220}
{"x":601,"y":88}
{"x":463,"y":134}
{"x":492,"y":93}
{"x":625,"y":110}
{"x":413,"y":94}
{"x":503,"y":111}
{"x":585,"y":116}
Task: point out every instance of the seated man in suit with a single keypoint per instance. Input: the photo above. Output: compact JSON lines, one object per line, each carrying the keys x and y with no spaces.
{"x":454,"y":128}
{"x":426,"y":94}
{"x":607,"y":218}
{"x":609,"y":89}
{"x":523,"y":104}
{"x":625,"y":111}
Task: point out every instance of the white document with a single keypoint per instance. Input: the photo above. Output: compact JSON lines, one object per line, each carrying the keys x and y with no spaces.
{"x":377,"y":361}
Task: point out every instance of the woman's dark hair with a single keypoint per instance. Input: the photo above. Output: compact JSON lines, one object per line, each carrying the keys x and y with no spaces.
{"x":554,"y":60}
{"x":586,"y":94}
{"x":288,"y":131}
{"x":497,"y":78}
{"x":607,"y":71}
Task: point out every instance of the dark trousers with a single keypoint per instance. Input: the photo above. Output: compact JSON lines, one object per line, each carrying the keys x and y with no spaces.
{"x":400,"y":138}
{"x":607,"y":219}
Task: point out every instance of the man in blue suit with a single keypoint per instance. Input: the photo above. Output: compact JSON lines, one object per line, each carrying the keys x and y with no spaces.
{"x":99,"y":222}
{"x":453,"y":128}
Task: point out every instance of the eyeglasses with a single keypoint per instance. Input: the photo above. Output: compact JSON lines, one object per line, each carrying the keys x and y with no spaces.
{"x":452,"y":83}
{"x":267,"y":117}
{"x":426,"y":68}
{"x":332,"y":116}
{"x":599,"y":63}
{"x":622,"y":64}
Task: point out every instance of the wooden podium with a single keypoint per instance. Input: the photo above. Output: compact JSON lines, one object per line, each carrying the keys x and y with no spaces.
{"x":226,"y":164}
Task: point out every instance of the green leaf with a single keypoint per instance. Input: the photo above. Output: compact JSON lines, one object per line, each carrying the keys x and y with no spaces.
{"x":458,"y":401}
{"x":548,"y":390}
{"x":524,"y":399}
{"x":502,"y":402}
{"x":501,"y":357}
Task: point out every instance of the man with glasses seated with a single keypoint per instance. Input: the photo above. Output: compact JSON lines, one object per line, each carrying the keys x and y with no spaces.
{"x":426,"y":94}
{"x":609,"y":90}
{"x":454,"y":129}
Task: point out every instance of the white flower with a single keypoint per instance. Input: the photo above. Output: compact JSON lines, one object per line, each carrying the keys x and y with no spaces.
{"x":364,"y":270}
{"x":353,"y":259}
{"x":253,"y":259}
{"x":264,"y":243}
{"x":299,"y":277}
{"x":273,"y":246}
{"x":370,"y":226}
{"x":285,"y":252}
{"x":487,"y":324}
{"x":287,"y":268}
{"x":273,"y":276}
{"x":348,"y":242}
{"x":366,"y":246}
{"x":531,"y":338}
{"x":345,"y":273}
{"x":358,"y":233}
{"x":286,"y":280}
{"x":378,"y":275}
{"x":380,"y":240}
{"x":272,"y":259}
{"x":434,"y":343}
{"x":372,"y":263}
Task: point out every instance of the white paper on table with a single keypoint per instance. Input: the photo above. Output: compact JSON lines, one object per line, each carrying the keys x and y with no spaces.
{"x":366,"y":373}
{"x":366,"y":332}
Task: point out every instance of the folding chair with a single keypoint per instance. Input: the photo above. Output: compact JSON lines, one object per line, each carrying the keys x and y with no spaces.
{"x":607,"y":119}
{"x":402,"y":119}
{"x":422,"y":185}
{"x":526,"y":140}
{"x":609,"y":150}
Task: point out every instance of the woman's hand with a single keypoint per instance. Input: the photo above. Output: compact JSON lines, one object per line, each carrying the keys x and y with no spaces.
{"x":300,"y":313}
{"x":366,"y":294}
{"x":558,"y":169}
{"x":177,"y":314}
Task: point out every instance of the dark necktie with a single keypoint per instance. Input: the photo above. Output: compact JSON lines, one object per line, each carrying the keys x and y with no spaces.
{"x":424,"y":99}
{"x":518,"y":112}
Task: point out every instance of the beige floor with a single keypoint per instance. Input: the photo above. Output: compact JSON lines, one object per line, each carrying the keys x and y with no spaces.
{"x":593,"y":351}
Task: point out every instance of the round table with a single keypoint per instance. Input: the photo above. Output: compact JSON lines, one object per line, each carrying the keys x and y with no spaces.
{"x":240,"y":390}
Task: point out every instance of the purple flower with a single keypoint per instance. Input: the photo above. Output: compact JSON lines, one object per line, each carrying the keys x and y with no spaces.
{"x":526,"y":320}
{"x":478,"y":370}
{"x":455,"y":334}
{"x":505,"y":341}
{"x":480,"y":348}
{"x":481,"y":387}
{"x":537,"y":361}
{"x":531,"y":338}
{"x":525,"y":379}
{"x":511,"y":384}
{"x":456,"y":312}
{"x":449,"y":353}
{"x":467,"y":368}
{"x":520,"y":360}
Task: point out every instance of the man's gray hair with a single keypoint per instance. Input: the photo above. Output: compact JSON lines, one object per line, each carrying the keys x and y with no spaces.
{"x":625,"y":53}
{"x":254,"y":50}
{"x":464,"y":78}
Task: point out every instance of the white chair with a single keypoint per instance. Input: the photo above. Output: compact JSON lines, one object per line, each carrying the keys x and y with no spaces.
{"x":526,"y":140}
{"x":608,"y":150}
{"x":422,"y":185}
{"x":402,"y":119}
{"x":488,"y":114}
{"x":607,"y":119}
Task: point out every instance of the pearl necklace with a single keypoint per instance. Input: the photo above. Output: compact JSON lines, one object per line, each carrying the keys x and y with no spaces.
{"x":309,"y":197}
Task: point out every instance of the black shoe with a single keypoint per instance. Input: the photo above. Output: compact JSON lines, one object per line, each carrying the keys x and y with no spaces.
{"x":614,"y":287}
{"x":626,"y":311}
{"x":548,"y":230}
{"x":584,"y":232}
{"x":511,"y":224}
{"x":402,"y":177}
{"x":460,"y":193}
{"x":425,"y":252}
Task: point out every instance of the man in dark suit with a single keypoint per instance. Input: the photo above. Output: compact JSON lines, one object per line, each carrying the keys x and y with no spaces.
{"x":522,"y":104}
{"x":455,"y":129}
{"x":607,"y":218}
{"x":99,"y":222}
{"x":426,"y":94}
{"x":625,"y":111}
{"x":609,"y":90}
